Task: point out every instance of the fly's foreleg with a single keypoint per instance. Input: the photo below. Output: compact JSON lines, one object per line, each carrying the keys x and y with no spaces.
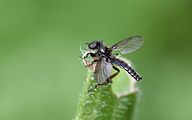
{"x":88,"y":65}
{"x":87,"y":54}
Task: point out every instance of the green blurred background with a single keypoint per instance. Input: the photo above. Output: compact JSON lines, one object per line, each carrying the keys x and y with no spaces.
{"x":40,"y":73}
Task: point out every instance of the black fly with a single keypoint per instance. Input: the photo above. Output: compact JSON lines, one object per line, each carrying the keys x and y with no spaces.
{"x":105,"y":60}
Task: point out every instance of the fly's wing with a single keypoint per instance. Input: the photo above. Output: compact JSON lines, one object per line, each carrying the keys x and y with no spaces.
{"x":129,"y":45}
{"x":102,"y":70}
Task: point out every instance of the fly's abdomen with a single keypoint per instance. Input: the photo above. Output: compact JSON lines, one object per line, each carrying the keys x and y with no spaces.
{"x":126,"y":67}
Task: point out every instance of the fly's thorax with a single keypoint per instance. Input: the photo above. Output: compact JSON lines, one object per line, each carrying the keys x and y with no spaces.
{"x":104,"y":50}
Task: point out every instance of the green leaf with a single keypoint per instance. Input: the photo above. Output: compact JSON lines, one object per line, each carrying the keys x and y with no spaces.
{"x":114,"y":101}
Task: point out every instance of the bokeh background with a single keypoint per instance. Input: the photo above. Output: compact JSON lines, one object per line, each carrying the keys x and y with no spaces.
{"x":40,"y":73}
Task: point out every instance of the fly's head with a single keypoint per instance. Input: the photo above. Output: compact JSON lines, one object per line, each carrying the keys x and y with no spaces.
{"x":102,"y":50}
{"x":95,"y":45}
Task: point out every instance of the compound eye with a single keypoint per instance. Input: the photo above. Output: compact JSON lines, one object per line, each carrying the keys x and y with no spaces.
{"x":93,"y":45}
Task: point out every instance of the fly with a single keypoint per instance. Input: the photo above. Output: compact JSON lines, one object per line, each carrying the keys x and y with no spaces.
{"x":105,"y":60}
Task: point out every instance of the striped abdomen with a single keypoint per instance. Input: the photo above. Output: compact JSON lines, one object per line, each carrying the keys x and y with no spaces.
{"x":126,"y":67}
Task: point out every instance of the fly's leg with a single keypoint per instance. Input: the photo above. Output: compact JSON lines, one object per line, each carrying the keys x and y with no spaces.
{"x":88,"y":64}
{"x":108,"y":79}
{"x":91,"y":64}
{"x":86,"y":55}
{"x":97,"y":85}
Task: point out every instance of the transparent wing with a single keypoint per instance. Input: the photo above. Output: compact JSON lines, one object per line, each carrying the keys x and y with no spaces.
{"x":129,"y":45}
{"x":102,"y":70}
